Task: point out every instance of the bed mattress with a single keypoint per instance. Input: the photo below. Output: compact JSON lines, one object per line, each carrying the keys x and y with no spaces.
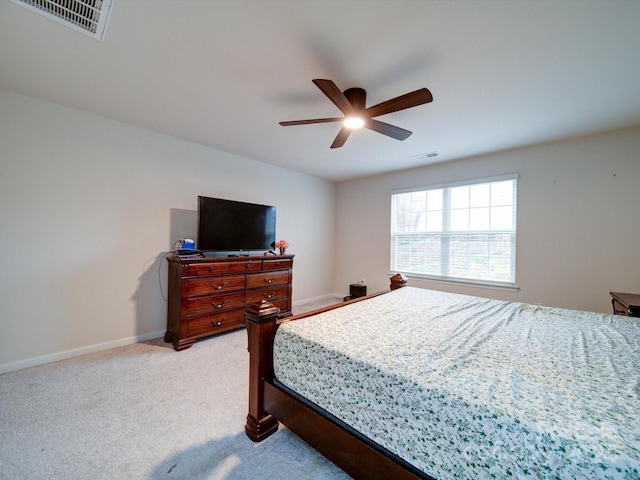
{"x":467,"y":387}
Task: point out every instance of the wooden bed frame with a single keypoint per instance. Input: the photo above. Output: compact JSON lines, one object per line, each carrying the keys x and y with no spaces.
{"x":270,"y":403}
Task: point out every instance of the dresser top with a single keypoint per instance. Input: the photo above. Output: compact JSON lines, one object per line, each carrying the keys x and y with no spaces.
{"x":627,"y":299}
{"x":238,"y":258}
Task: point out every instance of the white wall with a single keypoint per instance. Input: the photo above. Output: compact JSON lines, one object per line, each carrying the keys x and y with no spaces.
{"x":578,"y":234}
{"x":90,"y":206}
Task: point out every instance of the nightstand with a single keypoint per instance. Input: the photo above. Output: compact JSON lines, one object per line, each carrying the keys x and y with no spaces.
{"x":625,"y":304}
{"x":356,"y":290}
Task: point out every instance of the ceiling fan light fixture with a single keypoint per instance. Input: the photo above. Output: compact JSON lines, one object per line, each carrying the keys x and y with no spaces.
{"x":353,"y":122}
{"x":352,"y":103}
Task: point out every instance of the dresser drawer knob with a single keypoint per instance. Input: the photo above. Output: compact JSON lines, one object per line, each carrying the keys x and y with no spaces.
{"x":212,"y":268}
{"x":269,"y":295}
{"x":269,"y":280}
{"x":217,"y":324}
{"x":218,"y":305}
{"x":219,"y":287}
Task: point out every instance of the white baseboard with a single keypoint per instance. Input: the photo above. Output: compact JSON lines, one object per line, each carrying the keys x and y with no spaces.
{"x":54,"y":357}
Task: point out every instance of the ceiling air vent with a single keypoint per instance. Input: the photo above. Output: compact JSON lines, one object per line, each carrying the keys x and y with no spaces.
{"x":86,"y":16}
{"x":426,"y":156}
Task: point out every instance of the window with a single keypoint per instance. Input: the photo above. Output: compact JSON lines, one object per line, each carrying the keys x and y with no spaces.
{"x":464,"y":232}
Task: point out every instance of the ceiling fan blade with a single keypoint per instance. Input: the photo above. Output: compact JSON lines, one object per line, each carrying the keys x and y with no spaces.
{"x":313,"y":120}
{"x":342,"y":136}
{"x":387,"y":129}
{"x":408,"y":100}
{"x":334,"y":94}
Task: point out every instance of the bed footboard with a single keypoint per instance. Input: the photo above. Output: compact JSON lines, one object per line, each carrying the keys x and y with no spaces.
{"x":261,"y":321}
{"x":268,"y":403}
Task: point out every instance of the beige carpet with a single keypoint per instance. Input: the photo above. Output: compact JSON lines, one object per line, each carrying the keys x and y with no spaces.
{"x":144,"y":411}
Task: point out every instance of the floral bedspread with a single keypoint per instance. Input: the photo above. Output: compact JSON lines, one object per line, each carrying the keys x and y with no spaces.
{"x":466,"y":387}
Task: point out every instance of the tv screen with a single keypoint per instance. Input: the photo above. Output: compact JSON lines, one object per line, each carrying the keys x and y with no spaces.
{"x":230,"y":226}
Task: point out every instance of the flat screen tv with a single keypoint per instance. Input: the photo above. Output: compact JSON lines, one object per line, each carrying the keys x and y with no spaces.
{"x":231,"y":227}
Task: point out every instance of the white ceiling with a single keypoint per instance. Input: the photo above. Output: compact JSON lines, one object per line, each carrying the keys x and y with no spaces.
{"x":503,"y":74}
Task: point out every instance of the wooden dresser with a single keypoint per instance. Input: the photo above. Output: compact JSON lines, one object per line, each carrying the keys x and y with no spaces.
{"x":207,"y":296}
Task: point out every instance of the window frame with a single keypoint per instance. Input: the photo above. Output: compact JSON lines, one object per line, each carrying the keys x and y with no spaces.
{"x":446,"y":234}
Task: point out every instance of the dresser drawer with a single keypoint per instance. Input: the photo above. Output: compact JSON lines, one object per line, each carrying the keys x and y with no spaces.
{"x":268,"y":293}
{"x":214,"y":303}
{"x":277,"y":264}
{"x":264,"y":279}
{"x":206,"y":286}
{"x":218,"y":268}
{"x":218,"y":321}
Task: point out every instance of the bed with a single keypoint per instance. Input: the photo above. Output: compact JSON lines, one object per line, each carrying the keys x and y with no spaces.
{"x":414,"y":383}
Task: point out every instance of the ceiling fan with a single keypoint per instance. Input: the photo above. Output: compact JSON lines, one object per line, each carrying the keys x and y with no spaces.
{"x":351,"y":102}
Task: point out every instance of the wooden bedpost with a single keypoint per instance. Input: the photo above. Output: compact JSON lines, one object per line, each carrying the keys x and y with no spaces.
{"x":260,"y":319}
{"x":399,"y":280}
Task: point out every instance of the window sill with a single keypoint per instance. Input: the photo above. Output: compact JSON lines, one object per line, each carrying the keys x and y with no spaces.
{"x":461,"y":281}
